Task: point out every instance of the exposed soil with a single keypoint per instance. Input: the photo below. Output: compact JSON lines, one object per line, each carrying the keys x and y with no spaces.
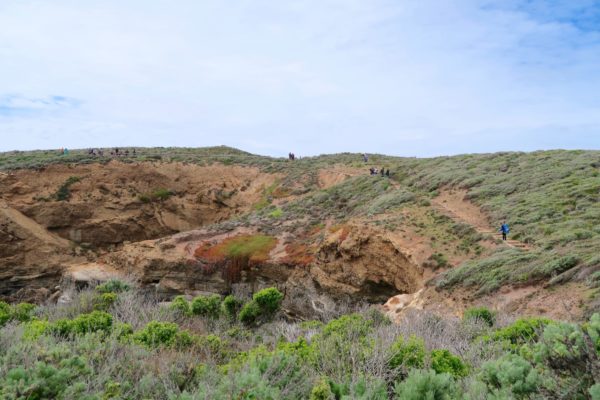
{"x":119,"y":202}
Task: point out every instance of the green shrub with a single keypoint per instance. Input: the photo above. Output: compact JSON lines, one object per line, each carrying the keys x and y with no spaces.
{"x":64,"y":193}
{"x":269,"y":300}
{"x":265,"y":375}
{"x":181,"y":305}
{"x":442,"y":361}
{"x":122,"y":330}
{"x":113,"y":286}
{"x":249,"y":313}
{"x":96,"y":321}
{"x":407,"y":354}
{"x":277,"y":213}
{"x":207,"y":306}
{"x":511,"y":373}
{"x":420,"y":385}
{"x":361,"y":388}
{"x":263,"y":306}
{"x":32,"y":330}
{"x":4,"y":313}
{"x":348,"y":326}
{"x":230,"y":306}
{"x":19,"y":312}
{"x":321,"y":391}
{"x":480,"y":314}
{"x":104,"y":301}
{"x":157,"y":334}
{"x":523,"y":330}
{"x":45,"y":381}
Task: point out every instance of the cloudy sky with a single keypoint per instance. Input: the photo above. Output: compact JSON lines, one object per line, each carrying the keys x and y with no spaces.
{"x":403,"y":77}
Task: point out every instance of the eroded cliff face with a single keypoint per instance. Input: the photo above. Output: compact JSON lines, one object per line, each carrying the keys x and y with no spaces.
{"x":147,"y":220}
{"x":358,"y":265}
{"x":31,"y":258}
{"x":104,"y":205}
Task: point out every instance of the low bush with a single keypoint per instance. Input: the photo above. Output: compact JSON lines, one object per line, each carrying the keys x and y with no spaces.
{"x":480,"y":314}
{"x":269,"y":300}
{"x":113,"y":286}
{"x":407,"y":354}
{"x":181,"y":305}
{"x":511,"y":374}
{"x":230,"y":306}
{"x":263,"y":306}
{"x":104,"y":301}
{"x":96,"y":321}
{"x":207,"y":306}
{"x":422,"y":384}
{"x":156,"y":334}
{"x":523,"y":330}
{"x":46,"y":381}
{"x":19,"y":312}
{"x":249,"y":313}
{"x":442,"y":361}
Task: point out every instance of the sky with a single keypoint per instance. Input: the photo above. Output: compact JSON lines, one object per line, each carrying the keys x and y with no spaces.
{"x":404,"y":77}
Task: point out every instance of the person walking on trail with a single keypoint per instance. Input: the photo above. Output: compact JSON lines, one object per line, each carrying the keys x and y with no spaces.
{"x":504,"y":229}
{"x":387,"y":173}
{"x":382,"y":172}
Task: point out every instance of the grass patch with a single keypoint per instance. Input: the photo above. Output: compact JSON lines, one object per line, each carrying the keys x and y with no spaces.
{"x":159,"y":194}
{"x":255,"y":248}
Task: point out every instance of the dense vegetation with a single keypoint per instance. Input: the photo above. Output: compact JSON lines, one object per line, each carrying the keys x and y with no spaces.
{"x":115,"y":342}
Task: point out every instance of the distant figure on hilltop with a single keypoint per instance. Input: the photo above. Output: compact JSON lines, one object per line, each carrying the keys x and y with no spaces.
{"x":504,"y":229}
{"x":365,"y":157}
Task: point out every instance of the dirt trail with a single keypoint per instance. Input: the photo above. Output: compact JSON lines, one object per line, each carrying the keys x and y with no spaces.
{"x":453,"y":204}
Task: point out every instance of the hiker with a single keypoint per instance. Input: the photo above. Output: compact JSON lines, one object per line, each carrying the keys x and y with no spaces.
{"x":504,"y":229}
{"x":365,"y":157}
{"x":387,"y":173}
{"x":382,"y":172}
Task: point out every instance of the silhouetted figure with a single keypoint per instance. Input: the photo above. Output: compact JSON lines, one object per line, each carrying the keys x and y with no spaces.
{"x":134,"y":152}
{"x":382,"y":172}
{"x":387,"y":173}
{"x":126,"y":153}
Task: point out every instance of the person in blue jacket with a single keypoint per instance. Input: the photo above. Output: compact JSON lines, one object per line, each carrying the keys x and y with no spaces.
{"x":504,"y":229}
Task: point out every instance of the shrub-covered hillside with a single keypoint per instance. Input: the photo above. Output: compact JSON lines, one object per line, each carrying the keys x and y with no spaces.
{"x":115,"y":342}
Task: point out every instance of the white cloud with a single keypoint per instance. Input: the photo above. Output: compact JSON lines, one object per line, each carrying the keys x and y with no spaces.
{"x":412,"y":77}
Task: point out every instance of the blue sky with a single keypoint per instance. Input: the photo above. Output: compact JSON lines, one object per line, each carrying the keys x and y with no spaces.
{"x":405,"y":77}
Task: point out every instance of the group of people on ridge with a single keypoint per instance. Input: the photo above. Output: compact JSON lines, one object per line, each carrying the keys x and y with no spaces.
{"x":291,"y":156}
{"x":382,"y":171}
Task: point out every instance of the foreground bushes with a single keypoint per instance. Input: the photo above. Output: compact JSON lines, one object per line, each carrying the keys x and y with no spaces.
{"x":211,"y":354}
